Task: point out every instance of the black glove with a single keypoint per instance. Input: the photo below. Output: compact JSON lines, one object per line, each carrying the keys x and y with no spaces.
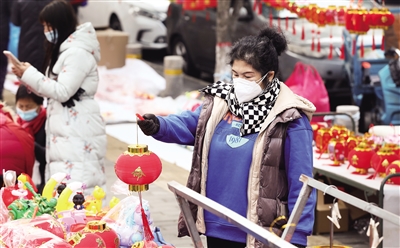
{"x":299,"y":246}
{"x":77,"y":96}
{"x":150,"y":125}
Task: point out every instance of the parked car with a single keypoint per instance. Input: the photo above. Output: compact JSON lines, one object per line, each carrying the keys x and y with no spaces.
{"x":195,"y":41}
{"x":142,"y":20}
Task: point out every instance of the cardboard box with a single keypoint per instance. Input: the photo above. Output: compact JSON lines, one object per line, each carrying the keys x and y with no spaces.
{"x":112,"y":48}
{"x":322,"y":224}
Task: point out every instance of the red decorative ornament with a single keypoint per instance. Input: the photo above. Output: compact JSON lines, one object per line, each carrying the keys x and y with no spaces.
{"x":322,"y":139}
{"x":360,"y":158}
{"x":193,"y":5}
{"x":138,"y":167}
{"x":382,"y":159}
{"x":310,"y":12}
{"x":393,"y":168}
{"x":101,"y":229}
{"x":336,"y":149}
{"x":351,"y":143}
{"x":320,"y":17}
{"x":210,"y":3}
{"x":87,"y":240}
{"x":341,"y":15}
{"x":330,"y":15}
{"x":50,"y":224}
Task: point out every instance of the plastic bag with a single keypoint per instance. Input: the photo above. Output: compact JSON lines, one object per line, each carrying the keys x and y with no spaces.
{"x":305,"y":81}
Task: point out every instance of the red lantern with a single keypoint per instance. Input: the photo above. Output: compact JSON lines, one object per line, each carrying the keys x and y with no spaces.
{"x":382,"y":159}
{"x":193,"y":5}
{"x":138,"y":167}
{"x":350,"y":22}
{"x":210,"y":3}
{"x":360,"y":158}
{"x":381,"y":18}
{"x":330,"y":15}
{"x":361,"y":21}
{"x":336,"y":149}
{"x":351,"y":143}
{"x":320,"y":17}
{"x":87,"y":240}
{"x":322,"y":140}
{"x":101,"y":229}
{"x":301,"y":11}
{"x":341,"y":15}
{"x":310,"y":12}
{"x":393,"y":168}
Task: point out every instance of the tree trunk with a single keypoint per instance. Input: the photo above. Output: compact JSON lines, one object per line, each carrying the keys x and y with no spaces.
{"x":226,"y":25}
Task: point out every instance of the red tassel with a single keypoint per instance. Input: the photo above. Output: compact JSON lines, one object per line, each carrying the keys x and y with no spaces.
{"x":287,"y":23}
{"x":257,"y":5}
{"x":312,"y":40}
{"x":353,"y":51}
{"x":279,"y":23}
{"x":271,"y":18}
{"x":342,"y":52}
{"x":362,"y":48}
{"x":303,"y":35}
{"x":207,"y":15}
{"x":330,"y":56}
{"x":318,"y":42}
{"x":383,"y":43}
{"x":194,"y":17}
{"x":294,"y":27}
{"x":147,"y":233}
{"x":373,"y":40}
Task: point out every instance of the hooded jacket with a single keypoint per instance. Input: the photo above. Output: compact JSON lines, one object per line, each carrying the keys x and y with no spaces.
{"x":272,"y":179}
{"x":75,"y":137}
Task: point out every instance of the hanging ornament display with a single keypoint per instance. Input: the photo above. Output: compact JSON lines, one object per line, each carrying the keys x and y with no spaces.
{"x":381,"y":19}
{"x":139,"y":167}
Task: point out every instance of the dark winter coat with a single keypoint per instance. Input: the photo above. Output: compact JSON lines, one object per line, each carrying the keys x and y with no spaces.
{"x":25,"y":13}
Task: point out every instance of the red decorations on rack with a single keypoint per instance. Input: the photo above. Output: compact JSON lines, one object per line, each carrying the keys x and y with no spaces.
{"x":341,"y":15}
{"x":330,"y":15}
{"x":360,"y":158}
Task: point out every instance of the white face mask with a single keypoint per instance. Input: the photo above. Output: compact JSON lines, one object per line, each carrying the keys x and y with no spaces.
{"x":51,"y":36}
{"x":246,"y":90}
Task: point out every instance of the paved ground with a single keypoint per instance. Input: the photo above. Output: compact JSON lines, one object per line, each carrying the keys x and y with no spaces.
{"x":163,"y":206}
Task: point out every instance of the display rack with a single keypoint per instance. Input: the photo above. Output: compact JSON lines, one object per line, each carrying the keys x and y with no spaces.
{"x":310,"y":183}
{"x":185,"y":195}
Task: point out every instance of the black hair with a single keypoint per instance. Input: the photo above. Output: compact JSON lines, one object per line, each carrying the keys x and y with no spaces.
{"x":260,"y":51}
{"x":60,"y":188}
{"x":60,"y":16}
{"x":23,"y":93}
{"x":78,"y":199}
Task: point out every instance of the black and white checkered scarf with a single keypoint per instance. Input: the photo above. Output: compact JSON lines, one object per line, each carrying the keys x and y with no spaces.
{"x":254,"y":112}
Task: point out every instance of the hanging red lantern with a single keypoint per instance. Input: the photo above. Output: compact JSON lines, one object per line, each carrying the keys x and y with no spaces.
{"x":341,"y":12}
{"x":330,"y":15}
{"x":320,"y":17}
{"x":360,"y":158}
{"x":193,"y":5}
{"x":350,"y":21}
{"x":310,"y":12}
{"x":138,"y":167}
{"x":393,"y":168}
{"x":381,"y":160}
{"x":381,"y":18}
{"x":361,"y":21}
{"x":292,"y":7}
{"x":210,"y":3}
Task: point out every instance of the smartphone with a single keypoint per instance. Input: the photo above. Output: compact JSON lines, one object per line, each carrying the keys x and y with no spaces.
{"x":12,"y":58}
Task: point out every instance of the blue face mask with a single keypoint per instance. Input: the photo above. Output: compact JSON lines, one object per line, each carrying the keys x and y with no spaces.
{"x":51,"y":36}
{"x":27,"y":115}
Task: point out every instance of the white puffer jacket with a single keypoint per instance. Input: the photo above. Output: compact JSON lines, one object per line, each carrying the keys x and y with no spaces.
{"x":76,"y":138}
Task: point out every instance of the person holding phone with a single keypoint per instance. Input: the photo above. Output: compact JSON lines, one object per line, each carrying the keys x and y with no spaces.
{"x":75,"y":131}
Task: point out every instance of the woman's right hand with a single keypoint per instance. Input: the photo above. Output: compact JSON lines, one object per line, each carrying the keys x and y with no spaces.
{"x":150,"y":125}
{"x":19,"y":70}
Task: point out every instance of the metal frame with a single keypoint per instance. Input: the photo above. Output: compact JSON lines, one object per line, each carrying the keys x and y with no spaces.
{"x":353,"y":123}
{"x":310,"y":183}
{"x":185,"y":195}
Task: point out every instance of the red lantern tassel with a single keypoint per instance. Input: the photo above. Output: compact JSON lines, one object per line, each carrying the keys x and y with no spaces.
{"x":279,"y":23}
{"x":148,"y":234}
{"x":362,"y":48}
{"x":330,"y":56}
{"x":271,"y":18}
{"x":312,"y":40}
{"x":303,"y":34}
{"x":207,"y":15}
{"x":287,"y":23}
{"x":194,"y":17}
{"x":318,"y":42}
{"x":294,"y":27}
{"x":373,"y":40}
{"x":383,"y":43}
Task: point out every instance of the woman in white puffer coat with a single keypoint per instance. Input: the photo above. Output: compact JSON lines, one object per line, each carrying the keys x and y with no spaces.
{"x":75,"y":130}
